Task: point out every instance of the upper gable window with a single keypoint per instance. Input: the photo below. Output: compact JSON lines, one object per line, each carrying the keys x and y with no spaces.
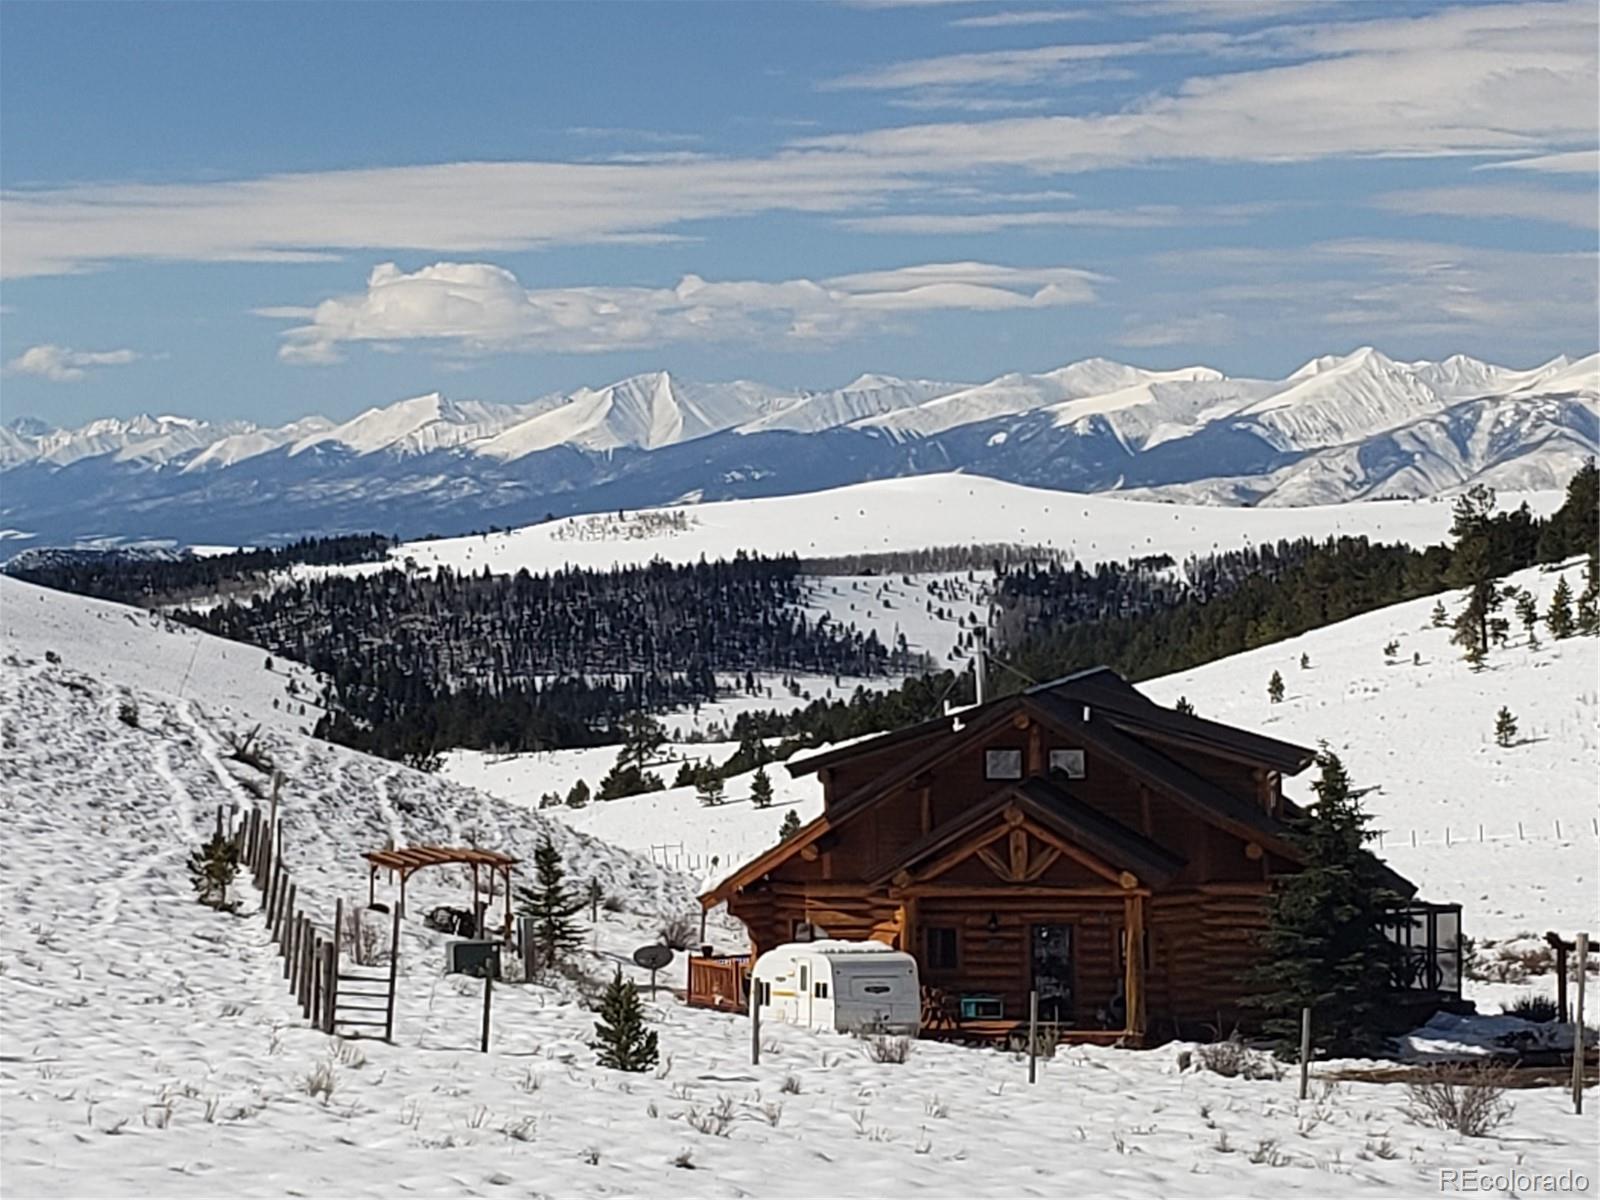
{"x":1068,"y":762}
{"x":1002,"y":764}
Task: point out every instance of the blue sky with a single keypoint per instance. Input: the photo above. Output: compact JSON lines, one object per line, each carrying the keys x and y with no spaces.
{"x":261,"y":211}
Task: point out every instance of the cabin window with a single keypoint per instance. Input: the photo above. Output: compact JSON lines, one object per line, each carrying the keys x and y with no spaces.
{"x":1068,"y":762}
{"x":942,"y":948}
{"x":1002,"y":764}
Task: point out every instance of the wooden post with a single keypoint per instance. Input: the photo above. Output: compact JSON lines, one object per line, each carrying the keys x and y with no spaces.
{"x":303,"y":963}
{"x":1133,"y":968}
{"x":394,"y":968}
{"x":219,"y":823}
{"x":488,"y":1000}
{"x":1305,"y":1053}
{"x":1033,"y":1035}
{"x":330,"y":990}
{"x":755,"y":1022}
{"x":288,"y":918}
{"x":1554,"y":941}
{"x":277,"y":786}
{"x":1577,"y":1025}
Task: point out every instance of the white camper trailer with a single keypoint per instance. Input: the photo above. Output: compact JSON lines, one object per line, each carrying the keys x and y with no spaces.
{"x":839,"y":985}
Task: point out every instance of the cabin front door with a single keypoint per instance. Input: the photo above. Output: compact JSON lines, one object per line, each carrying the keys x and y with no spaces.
{"x":1051,"y":950}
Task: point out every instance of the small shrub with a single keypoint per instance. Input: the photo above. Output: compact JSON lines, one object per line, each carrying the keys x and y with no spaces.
{"x":320,"y":1081}
{"x":681,"y":932}
{"x":791,"y":1085}
{"x":684,"y":1160}
{"x":128,"y":713}
{"x":212,"y":868}
{"x":1232,"y":1059}
{"x":881,"y":1048}
{"x":1469,"y":1100}
{"x":1533,"y":1007}
{"x":613,"y":904}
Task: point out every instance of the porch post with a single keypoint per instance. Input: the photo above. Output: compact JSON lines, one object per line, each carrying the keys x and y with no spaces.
{"x":1133,"y":979}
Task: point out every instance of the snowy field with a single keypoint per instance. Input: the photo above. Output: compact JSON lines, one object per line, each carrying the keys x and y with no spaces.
{"x":151,"y":1049}
{"x":928,"y":510}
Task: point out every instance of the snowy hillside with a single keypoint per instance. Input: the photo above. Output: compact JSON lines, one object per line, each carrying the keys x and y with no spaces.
{"x":935,"y":510}
{"x":152,"y":1048}
{"x":144,"y":651}
{"x":1357,"y":426}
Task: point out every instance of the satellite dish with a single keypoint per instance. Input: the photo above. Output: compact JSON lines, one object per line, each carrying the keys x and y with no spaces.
{"x":653,"y":958}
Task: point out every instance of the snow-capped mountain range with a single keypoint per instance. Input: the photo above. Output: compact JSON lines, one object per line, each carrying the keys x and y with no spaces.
{"x":1340,"y":428}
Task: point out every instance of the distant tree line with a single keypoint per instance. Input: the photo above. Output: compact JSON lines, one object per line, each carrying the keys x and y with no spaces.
{"x":417,"y":662}
{"x":141,"y":578}
{"x":987,"y":557}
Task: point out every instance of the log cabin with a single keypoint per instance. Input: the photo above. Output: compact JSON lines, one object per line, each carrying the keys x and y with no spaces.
{"x":1074,"y":839}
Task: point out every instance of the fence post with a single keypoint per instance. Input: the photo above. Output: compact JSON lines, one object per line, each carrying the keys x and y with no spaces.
{"x":288,"y":920}
{"x":1305,"y":1052}
{"x":488,"y":999}
{"x":394,"y":969}
{"x":1033,"y":1035}
{"x":1577,"y":1026}
{"x":755,"y":1022}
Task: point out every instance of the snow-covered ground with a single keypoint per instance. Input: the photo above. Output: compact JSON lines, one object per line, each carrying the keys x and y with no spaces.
{"x":928,"y":510}
{"x":146,"y":650}
{"x":150,"y":1047}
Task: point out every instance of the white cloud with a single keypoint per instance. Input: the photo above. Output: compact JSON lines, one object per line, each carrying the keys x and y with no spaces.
{"x":1018,"y":67}
{"x":1573,"y":208}
{"x":1575,"y":162}
{"x":1012,"y":18}
{"x":479,"y":307}
{"x":1512,"y":80}
{"x":1475,"y":81}
{"x":61,"y":364}
{"x":1137,"y":216}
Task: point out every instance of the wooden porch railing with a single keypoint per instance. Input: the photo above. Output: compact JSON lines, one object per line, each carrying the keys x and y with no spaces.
{"x":719,"y":981}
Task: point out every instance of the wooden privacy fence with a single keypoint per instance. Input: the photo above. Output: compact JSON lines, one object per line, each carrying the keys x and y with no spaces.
{"x":333,"y":998}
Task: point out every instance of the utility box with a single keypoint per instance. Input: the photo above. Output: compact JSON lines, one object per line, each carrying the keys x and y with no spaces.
{"x":478,"y":957}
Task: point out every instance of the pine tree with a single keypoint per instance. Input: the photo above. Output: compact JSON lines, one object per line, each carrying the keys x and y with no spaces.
{"x":761,"y":789}
{"x":626,"y":778}
{"x":1275,"y":688}
{"x":1505,"y":727}
{"x":1305,"y":662}
{"x":642,"y":738}
{"x":1472,"y":566}
{"x":620,"y":1034}
{"x":550,"y":905}
{"x":1589,"y":602}
{"x":212,"y":868}
{"x":579,"y":795}
{"x":686,"y":776}
{"x":1325,"y":945}
{"x":1559,"y":618}
{"x":1527,"y":608}
{"x":789,"y":827}
{"x":711,"y":790}
{"x":1184,"y":706}
{"x":1441,"y":618}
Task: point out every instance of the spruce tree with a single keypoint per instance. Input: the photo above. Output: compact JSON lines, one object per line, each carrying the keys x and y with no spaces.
{"x":761,"y":789}
{"x":1325,"y":945}
{"x":1472,"y":566}
{"x":1305,"y":662}
{"x":212,"y":868}
{"x":1184,"y":706}
{"x":579,"y":795}
{"x":1275,"y":688}
{"x":1441,"y":617}
{"x":1589,"y":602}
{"x":1505,"y":727}
{"x":1527,"y":611}
{"x":789,"y":827}
{"x":711,"y":790}
{"x":1559,"y":618}
{"x":642,"y":738}
{"x":550,"y":905}
{"x":687,"y":775}
{"x":620,"y":1035}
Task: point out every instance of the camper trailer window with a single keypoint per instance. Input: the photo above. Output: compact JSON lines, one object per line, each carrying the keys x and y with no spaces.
{"x":821,"y":991}
{"x":805,"y":977}
{"x":942,"y":948}
{"x":1002,"y":764}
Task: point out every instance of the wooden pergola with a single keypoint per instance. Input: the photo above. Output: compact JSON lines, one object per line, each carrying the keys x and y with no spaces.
{"x":410,"y":859}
